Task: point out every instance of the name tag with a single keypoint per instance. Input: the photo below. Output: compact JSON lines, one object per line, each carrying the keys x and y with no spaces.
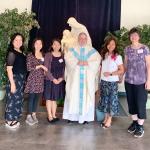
{"x":42,"y":59}
{"x":60,"y":60}
{"x":140,"y":51}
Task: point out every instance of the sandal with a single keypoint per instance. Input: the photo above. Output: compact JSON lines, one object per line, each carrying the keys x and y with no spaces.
{"x":50,"y":120}
{"x":12,"y":125}
{"x":106,"y":127}
{"x":102,"y":124}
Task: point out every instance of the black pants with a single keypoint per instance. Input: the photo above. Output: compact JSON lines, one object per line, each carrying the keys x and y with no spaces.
{"x":136,"y":98}
{"x":33,"y":101}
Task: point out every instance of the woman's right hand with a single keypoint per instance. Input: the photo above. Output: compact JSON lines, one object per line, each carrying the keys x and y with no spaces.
{"x":55,"y":81}
{"x":106,"y":74}
{"x":13,"y":88}
{"x":43,"y":67}
{"x":38,"y":66}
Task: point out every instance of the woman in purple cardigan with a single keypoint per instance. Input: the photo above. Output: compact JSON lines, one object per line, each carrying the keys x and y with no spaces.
{"x":54,"y":83}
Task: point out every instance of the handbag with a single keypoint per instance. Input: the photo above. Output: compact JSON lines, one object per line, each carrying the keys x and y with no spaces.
{"x":99,"y":115}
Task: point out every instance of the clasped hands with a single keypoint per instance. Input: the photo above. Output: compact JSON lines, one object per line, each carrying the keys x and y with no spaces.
{"x":57,"y":81}
{"x":107,"y":74}
{"x":82,"y":63}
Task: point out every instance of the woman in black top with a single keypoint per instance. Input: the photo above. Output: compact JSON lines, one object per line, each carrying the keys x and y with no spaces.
{"x":16,"y":71}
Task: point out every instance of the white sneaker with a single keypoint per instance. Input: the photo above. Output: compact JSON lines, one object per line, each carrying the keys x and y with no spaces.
{"x":34,"y":118}
{"x":30,"y":120}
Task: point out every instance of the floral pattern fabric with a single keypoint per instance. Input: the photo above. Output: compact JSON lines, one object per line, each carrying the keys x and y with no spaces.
{"x":35,"y":81}
{"x":136,"y":65}
{"x":109,"y":102}
{"x":14,"y":102}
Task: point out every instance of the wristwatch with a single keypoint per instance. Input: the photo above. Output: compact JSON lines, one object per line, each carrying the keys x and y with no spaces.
{"x":111,"y":74}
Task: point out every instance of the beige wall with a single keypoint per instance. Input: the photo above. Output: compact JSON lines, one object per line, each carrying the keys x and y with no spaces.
{"x":20,"y":4}
{"x":135,"y":12}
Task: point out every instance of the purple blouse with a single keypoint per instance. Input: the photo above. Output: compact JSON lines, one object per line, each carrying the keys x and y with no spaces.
{"x":136,"y":72}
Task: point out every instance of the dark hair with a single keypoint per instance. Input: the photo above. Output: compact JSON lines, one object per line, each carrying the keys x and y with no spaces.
{"x":105,"y":50}
{"x":33,"y":45}
{"x":134,"y":30}
{"x":11,"y":46}
{"x":58,"y":40}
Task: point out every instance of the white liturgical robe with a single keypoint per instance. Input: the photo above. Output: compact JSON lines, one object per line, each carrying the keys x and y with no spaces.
{"x":81,"y":84}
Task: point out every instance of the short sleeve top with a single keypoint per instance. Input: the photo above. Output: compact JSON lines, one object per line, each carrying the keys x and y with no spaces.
{"x":110,"y":64}
{"x":18,"y":61}
{"x":136,"y":71}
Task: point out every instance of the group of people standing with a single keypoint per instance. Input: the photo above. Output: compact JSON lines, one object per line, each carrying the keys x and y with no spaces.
{"x":73,"y":76}
{"x":136,"y":68}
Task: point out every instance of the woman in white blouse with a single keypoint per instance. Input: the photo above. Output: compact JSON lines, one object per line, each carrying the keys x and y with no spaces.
{"x":112,"y":68}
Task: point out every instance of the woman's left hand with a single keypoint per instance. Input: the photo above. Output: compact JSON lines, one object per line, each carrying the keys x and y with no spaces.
{"x":60,"y":80}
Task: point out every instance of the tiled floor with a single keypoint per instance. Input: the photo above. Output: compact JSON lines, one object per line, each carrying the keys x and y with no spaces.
{"x":64,"y":136}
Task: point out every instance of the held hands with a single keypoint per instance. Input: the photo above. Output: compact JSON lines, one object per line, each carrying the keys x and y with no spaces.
{"x":82,"y":63}
{"x":42,"y":66}
{"x":60,"y":80}
{"x":13,"y":88}
{"x":107,"y":74}
{"x":57,"y":81}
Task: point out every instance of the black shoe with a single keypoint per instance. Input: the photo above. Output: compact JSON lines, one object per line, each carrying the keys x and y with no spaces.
{"x":55,"y":119}
{"x":139,"y":132}
{"x":132,"y":127}
{"x":85,"y":122}
{"x":50,"y":121}
{"x":69,"y":121}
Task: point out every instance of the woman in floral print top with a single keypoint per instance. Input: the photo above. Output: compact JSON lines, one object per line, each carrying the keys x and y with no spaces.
{"x":137,"y":81}
{"x":35,"y":81}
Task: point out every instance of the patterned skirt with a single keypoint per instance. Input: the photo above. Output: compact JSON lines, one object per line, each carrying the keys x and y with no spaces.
{"x":14,"y":101}
{"x":109,"y":102}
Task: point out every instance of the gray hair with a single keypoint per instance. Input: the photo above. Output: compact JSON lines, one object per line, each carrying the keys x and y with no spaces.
{"x":82,"y":33}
